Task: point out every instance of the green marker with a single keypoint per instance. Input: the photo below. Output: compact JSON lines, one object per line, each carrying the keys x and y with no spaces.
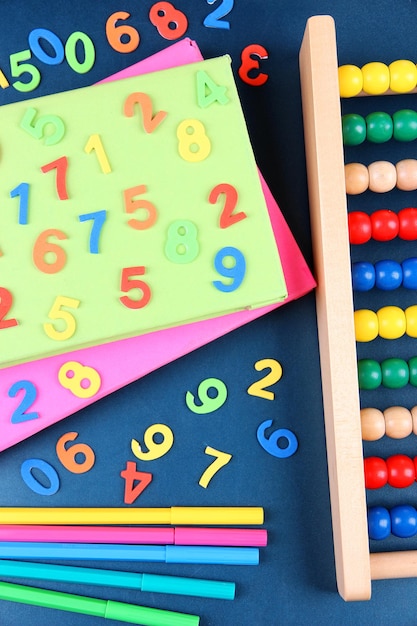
{"x":91,"y":606}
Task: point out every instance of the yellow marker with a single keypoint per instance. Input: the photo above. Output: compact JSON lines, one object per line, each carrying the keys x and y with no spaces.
{"x":176,"y":515}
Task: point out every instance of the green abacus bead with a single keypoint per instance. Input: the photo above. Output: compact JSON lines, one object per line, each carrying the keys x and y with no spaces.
{"x":353,"y":129}
{"x":379,"y":127}
{"x":369,"y":374}
{"x":405,"y":125}
{"x":412,"y":366}
{"x":395,"y":373}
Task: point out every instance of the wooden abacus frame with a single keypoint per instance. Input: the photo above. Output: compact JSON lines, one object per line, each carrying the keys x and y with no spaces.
{"x":356,"y":567}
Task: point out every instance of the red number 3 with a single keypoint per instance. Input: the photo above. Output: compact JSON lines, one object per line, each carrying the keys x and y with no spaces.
{"x":170,"y":23}
{"x":249,"y":63}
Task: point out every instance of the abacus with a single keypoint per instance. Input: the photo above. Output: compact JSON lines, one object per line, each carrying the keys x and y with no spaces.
{"x":347,"y":336}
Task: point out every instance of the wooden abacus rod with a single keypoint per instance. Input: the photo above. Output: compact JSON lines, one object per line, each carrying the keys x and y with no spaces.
{"x":401,"y":564}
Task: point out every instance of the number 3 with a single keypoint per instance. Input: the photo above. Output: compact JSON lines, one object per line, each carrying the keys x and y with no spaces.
{"x":249,"y":63}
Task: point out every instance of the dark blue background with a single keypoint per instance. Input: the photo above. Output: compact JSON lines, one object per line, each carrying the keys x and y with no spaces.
{"x":295,"y":581}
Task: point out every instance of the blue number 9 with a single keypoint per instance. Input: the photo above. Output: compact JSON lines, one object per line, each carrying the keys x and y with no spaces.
{"x":236,"y":272}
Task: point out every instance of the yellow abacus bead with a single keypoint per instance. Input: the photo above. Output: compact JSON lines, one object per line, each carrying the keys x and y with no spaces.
{"x":356,"y":178}
{"x":372,"y":424}
{"x":366,"y":325}
{"x":382,"y":176}
{"x":411,"y":320}
{"x":391,"y":321}
{"x":406,"y":174}
{"x":376,"y":78}
{"x":403,"y":76}
{"x":413,"y":412}
{"x":398,"y":422}
{"x":350,"y":81}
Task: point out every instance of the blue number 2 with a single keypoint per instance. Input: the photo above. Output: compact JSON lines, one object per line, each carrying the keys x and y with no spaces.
{"x":20,"y":415}
{"x":213,"y":19}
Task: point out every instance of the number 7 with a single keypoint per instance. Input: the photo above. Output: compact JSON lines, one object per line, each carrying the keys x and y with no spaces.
{"x":98,"y":217}
{"x":222,"y":458}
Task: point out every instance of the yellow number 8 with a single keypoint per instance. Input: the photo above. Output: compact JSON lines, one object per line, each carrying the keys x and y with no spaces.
{"x":73,"y":376}
{"x":193,"y":143}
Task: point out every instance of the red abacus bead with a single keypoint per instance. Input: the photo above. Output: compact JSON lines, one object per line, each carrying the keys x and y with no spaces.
{"x":401,"y":470}
{"x":360,"y":228}
{"x":408,"y":224}
{"x":385,"y":225}
{"x":376,"y":472}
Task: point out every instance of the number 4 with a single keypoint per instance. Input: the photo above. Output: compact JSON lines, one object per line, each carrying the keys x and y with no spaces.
{"x":131,"y":474}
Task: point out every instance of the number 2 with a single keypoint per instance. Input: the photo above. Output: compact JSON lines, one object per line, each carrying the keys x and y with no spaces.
{"x":213,"y":19}
{"x":258,"y":388}
{"x":29,"y":389}
{"x":6,"y":301}
{"x":227,"y":217}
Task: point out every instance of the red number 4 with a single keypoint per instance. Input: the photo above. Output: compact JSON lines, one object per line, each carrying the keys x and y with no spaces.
{"x":132,"y":475}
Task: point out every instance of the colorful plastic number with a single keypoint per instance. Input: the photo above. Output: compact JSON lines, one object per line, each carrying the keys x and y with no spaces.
{"x":122,"y":38}
{"x":271,"y":445}
{"x":20,"y":414}
{"x":170,"y":23}
{"x":139,"y":204}
{"x":37,"y":129}
{"x":249,"y":63}
{"x":94,"y":143}
{"x":65,"y":319}
{"x":222,"y":459}
{"x":129,"y":282}
{"x":156,"y":449}
{"x":235,"y":272}
{"x":150,"y":122}
{"x":17,"y":68}
{"x":34,"y":484}
{"x":132,"y":476}
{"x":4,"y":83}
{"x":213,"y":19}
{"x":68,"y":456}
{"x":208,"y":403}
{"x":98,"y":218}
{"x":43,"y":249}
{"x":6,"y":301}
{"x":208,"y":91}
{"x":53,"y":40}
{"x":22,"y":192}
{"x":61,"y":166}
{"x":258,"y":388}
{"x":82,"y":380}
{"x":227,"y":217}
{"x":193,"y":143}
{"x":84,"y":66}
{"x":182,"y":244}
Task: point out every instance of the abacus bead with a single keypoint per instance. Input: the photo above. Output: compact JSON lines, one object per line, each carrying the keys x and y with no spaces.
{"x":398,"y":422}
{"x":405,"y":125}
{"x":372,"y":424}
{"x":366,"y":325}
{"x":407,"y":219}
{"x":413,"y":412}
{"x":411,"y":320}
{"x":391,"y":322}
{"x":376,"y":78}
{"x":403,"y":521}
{"x":350,"y":81}
{"x":360,"y":227}
{"x":401,"y":471}
{"x":412,"y":367}
{"x":356,"y":178}
{"x":385,"y":225}
{"x":407,"y":174}
{"x":379,"y":127}
{"x":382,"y":176}
{"x":410,"y":273}
{"x":363,"y":276}
{"x":388,"y":275}
{"x":353,"y":129}
{"x":369,"y":374}
{"x":379,"y":523}
{"x":403,"y":76}
{"x":376,"y":472}
{"x":395,"y":373}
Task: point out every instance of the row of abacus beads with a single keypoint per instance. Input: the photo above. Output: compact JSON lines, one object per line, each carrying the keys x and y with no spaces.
{"x":401,"y":521}
{"x":396,"y":422}
{"x":382,"y":225}
{"x":381,"y":176}
{"x":379,"y":127}
{"x":393,"y":373}
{"x":389,"y":322}
{"x":377,"y":78}
{"x":398,"y":471}
{"x":386,"y":275}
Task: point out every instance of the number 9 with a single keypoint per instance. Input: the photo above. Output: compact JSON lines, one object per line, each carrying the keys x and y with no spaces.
{"x":236,"y":272}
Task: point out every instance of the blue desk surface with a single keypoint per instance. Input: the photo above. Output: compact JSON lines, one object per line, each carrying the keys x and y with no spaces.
{"x":295,"y":580}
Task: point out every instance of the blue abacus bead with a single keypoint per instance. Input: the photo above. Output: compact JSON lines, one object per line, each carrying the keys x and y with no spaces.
{"x":363,"y":276}
{"x":388,"y":275}
{"x":410,"y":273}
{"x":379,"y":523}
{"x":403,"y":521}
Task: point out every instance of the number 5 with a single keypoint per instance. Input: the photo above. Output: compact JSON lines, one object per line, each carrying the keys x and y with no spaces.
{"x":56,"y":313}
{"x":128,"y":282}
